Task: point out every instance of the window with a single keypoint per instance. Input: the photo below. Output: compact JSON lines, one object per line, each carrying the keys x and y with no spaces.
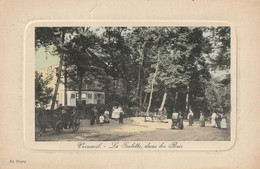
{"x":89,"y":96}
{"x":84,"y":96}
{"x":99,"y":96}
{"x":72,"y":96}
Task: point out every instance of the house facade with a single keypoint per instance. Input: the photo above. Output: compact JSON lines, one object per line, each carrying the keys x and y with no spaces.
{"x":90,"y":93}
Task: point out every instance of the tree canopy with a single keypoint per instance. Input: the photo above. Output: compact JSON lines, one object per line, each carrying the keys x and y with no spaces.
{"x":151,"y":67}
{"x":43,"y":93}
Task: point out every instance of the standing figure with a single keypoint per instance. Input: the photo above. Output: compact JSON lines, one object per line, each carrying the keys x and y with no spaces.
{"x":106,"y":116}
{"x":121,"y":113}
{"x":180,"y":125}
{"x":175,"y":119}
{"x":92,"y":118}
{"x":190,"y":117}
{"x":223,"y":123}
{"x":202,"y":120}
{"x":218,"y":120}
{"x":213,"y":120}
{"x":115,"y":113}
{"x":95,"y":116}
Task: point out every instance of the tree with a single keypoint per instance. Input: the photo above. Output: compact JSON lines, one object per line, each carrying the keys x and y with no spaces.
{"x":47,"y":36}
{"x":139,"y":40}
{"x":220,"y":41}
{"x":218,"y":97}
{"x":219,"y":64}
{"x":168,"y":66}
{"x":197,"y":69}
{"x":154,"y":75}
{"x":43,"y":93}
{"x":84,"y":66}
{"x":119,"y":62}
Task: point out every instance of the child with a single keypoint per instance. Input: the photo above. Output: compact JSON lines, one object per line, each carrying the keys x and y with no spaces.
{"x":101,"y":119}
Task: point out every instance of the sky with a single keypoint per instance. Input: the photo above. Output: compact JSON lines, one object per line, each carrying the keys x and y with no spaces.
{"x":44,"y":59}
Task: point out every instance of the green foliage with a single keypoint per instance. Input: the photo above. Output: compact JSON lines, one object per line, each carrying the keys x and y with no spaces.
{"x":218,"y":97}
{"x":130,"y":61}
{"x":43,"y":93}
{"x":220,"y":39}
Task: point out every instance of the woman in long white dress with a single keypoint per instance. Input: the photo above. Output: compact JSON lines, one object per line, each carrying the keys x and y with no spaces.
{"x":115,"y":113}
{"x":223,"y":123}
{"x":213,"y":119}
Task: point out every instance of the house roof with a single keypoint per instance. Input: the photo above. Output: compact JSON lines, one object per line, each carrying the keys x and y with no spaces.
{"x":90,"y":58}
{"x":95,"y":59}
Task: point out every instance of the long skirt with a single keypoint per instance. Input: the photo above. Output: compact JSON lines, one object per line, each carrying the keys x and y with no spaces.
{"x":190,"y":121}
{"x":213,"y":122}
{"x":223,"y":124}
{"x":218,"y":120}
{"x":106,"y":120}
{"x":121,"y":119}
{"x":202,"y":122}
{"x":174,"y":123}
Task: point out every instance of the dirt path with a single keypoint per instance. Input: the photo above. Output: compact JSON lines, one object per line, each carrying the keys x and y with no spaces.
{"x":135,"y":129}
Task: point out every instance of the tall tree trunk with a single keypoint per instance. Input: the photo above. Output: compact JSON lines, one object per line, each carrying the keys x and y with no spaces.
{"x":187,"y":101}
{"x":153,"y":80}
{"x":175,"y":101}
{"x":59,"y":71}
{"x":57,"y":83}
{"x":145,"y":98}
{"x":138,"y":82}
{"x":164,"y":99}
{"x":141,"y":54}
{"x":141,"y":92}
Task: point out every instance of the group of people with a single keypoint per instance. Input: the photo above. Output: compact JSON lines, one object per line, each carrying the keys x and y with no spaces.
{"x":217,"y":121}
{"x":99,"y":118}
{"x":117,"y":113}
{"x":177,"y":120}
{"x":201,"y":119}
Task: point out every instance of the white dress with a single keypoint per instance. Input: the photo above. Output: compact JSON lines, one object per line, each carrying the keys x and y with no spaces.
{"x":115,"y":114}
{"x":213,"y":120}
{"x":223,"y":123}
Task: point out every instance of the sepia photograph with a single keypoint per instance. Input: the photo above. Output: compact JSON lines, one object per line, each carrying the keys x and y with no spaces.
{"x":133,"y":83}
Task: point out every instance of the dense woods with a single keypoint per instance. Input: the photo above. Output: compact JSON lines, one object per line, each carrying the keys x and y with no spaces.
{"x":177,"y":68}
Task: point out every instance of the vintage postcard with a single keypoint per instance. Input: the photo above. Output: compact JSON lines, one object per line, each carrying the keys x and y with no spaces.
{"x":134,"y":86}
{"x":129,"y":84}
